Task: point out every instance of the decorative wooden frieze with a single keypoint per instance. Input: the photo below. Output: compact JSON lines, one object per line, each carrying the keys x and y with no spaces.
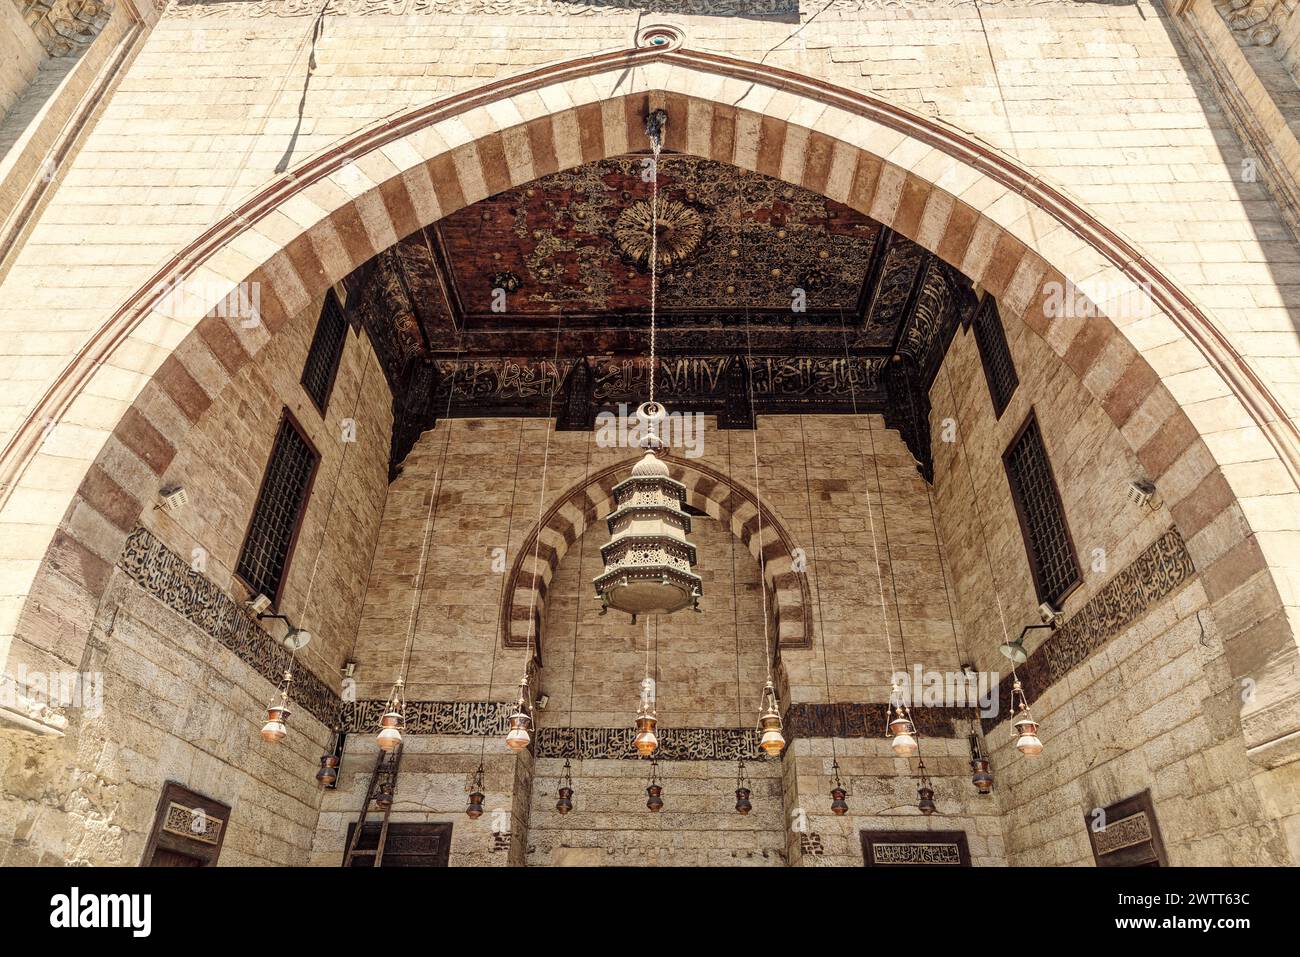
{"x":675,"y":744}
{"x":867,"y":720}
{"x":191,"y":595}
{"x":486,"y":718}
{"x":489,"y":718}
{"x":1163,"y":568}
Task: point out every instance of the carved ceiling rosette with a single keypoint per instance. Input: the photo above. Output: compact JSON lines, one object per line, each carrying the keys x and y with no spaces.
{"x":681,"y":228}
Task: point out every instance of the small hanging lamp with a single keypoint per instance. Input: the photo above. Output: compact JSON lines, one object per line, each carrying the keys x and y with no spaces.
{"x":565,"y":802}
{"x":384,"y":795}
{"x":743,"y":804}
{"x":654,"y":790}
{"x":1026,"y":728}
{"x":521,"y":722}
{"x":277,"y":715}
{"x":772,"y":741}
{"x":392,"y":721}
{"x":900,"y":727}
{"x":646,"y":740}
{"x":981,"y":776}
{"x":328,"y":774}
{"x":925,"y":793}
{"x":839,"y":806}
{"x":474,"y":809}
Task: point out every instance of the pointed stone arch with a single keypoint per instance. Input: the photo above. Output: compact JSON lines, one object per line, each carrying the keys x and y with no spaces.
{"x":1005,"y":228}
{"x":720,"y":496}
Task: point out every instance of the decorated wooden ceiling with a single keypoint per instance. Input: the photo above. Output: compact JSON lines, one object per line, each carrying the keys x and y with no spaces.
{"x":772,"y":299}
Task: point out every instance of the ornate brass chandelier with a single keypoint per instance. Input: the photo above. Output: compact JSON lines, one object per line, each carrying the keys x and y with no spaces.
{"x":648,"y":560}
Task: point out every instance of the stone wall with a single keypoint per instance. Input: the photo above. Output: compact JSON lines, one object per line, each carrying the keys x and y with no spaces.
{"x":433,"y":784}
{"x":1155,"y":706}
{"x":179,"y":704}
{"x":610,"y":825}
{"x":20,"y":56}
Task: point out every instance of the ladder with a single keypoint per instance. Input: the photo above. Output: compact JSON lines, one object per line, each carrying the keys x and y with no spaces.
{"x":385,"y":774}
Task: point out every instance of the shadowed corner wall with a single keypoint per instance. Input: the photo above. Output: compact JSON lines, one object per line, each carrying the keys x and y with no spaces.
{"x":178,"y":703}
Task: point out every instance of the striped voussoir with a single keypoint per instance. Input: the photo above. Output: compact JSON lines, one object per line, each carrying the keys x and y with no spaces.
{"x":587,"y":504}
{"x":311,"y":226}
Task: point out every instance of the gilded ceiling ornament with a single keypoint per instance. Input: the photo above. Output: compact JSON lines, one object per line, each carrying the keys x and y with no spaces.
{"x":681,"y":228}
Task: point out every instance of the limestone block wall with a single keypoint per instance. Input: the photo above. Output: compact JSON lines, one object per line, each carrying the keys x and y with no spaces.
{"x":177,"y":703}
{"x":1156,"y":706}
{"x":882,"y":797}
{"x":433,"y":785}
{"x":21,"y":54}
{"x":708,"y":673}
{"x":610,"y":825}
{"x":816,"y":474}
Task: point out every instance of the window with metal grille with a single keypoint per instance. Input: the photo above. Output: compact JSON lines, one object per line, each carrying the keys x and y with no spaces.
{"x":325,"y":352}
{"x":1042,"y":517}
{"x":999,"y":370}
{"x":278,"y":512}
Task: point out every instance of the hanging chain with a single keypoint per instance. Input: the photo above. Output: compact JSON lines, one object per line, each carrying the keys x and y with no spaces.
{"x":654,"y":129}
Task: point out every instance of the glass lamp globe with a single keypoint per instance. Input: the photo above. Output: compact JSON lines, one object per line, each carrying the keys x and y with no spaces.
{"x":390,"y":734}
{"x":771,"y":741}
{"x":1027,"y":741}
{"x":646,"y":741}
{"x":518,"y":738}
{"x":274,"y":731}
{"x":904,"y":743}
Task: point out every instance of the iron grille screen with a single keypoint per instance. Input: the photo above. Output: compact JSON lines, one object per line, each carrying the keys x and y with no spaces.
{"x":325,"y":352}
{"x":999,"y":370}
{"x":1042,"y":518}
{"x":277,"y":512}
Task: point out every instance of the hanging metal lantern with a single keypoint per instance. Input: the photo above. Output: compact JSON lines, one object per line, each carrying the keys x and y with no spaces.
{"x":565,"y":803}
{"x":900,"y":728}
{"x":772,"y":741}
{"x":474,"y":809}
{"x":648,"y":560}
{"x":654,"y":791}
{"x":384,"y":795}
{"x":277,"y":715}
{"x":1028,"y":742}
{"x":981,"y":776}
{"x":839,"y":806}
{"x":274,"y":731}
{"x":924,"y":792}
{"x":518,"y":737}
{"x":392,"y":720}
{"x":329,"y":770}
{"x":646,"y":740}
{"x":743,"y":804}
